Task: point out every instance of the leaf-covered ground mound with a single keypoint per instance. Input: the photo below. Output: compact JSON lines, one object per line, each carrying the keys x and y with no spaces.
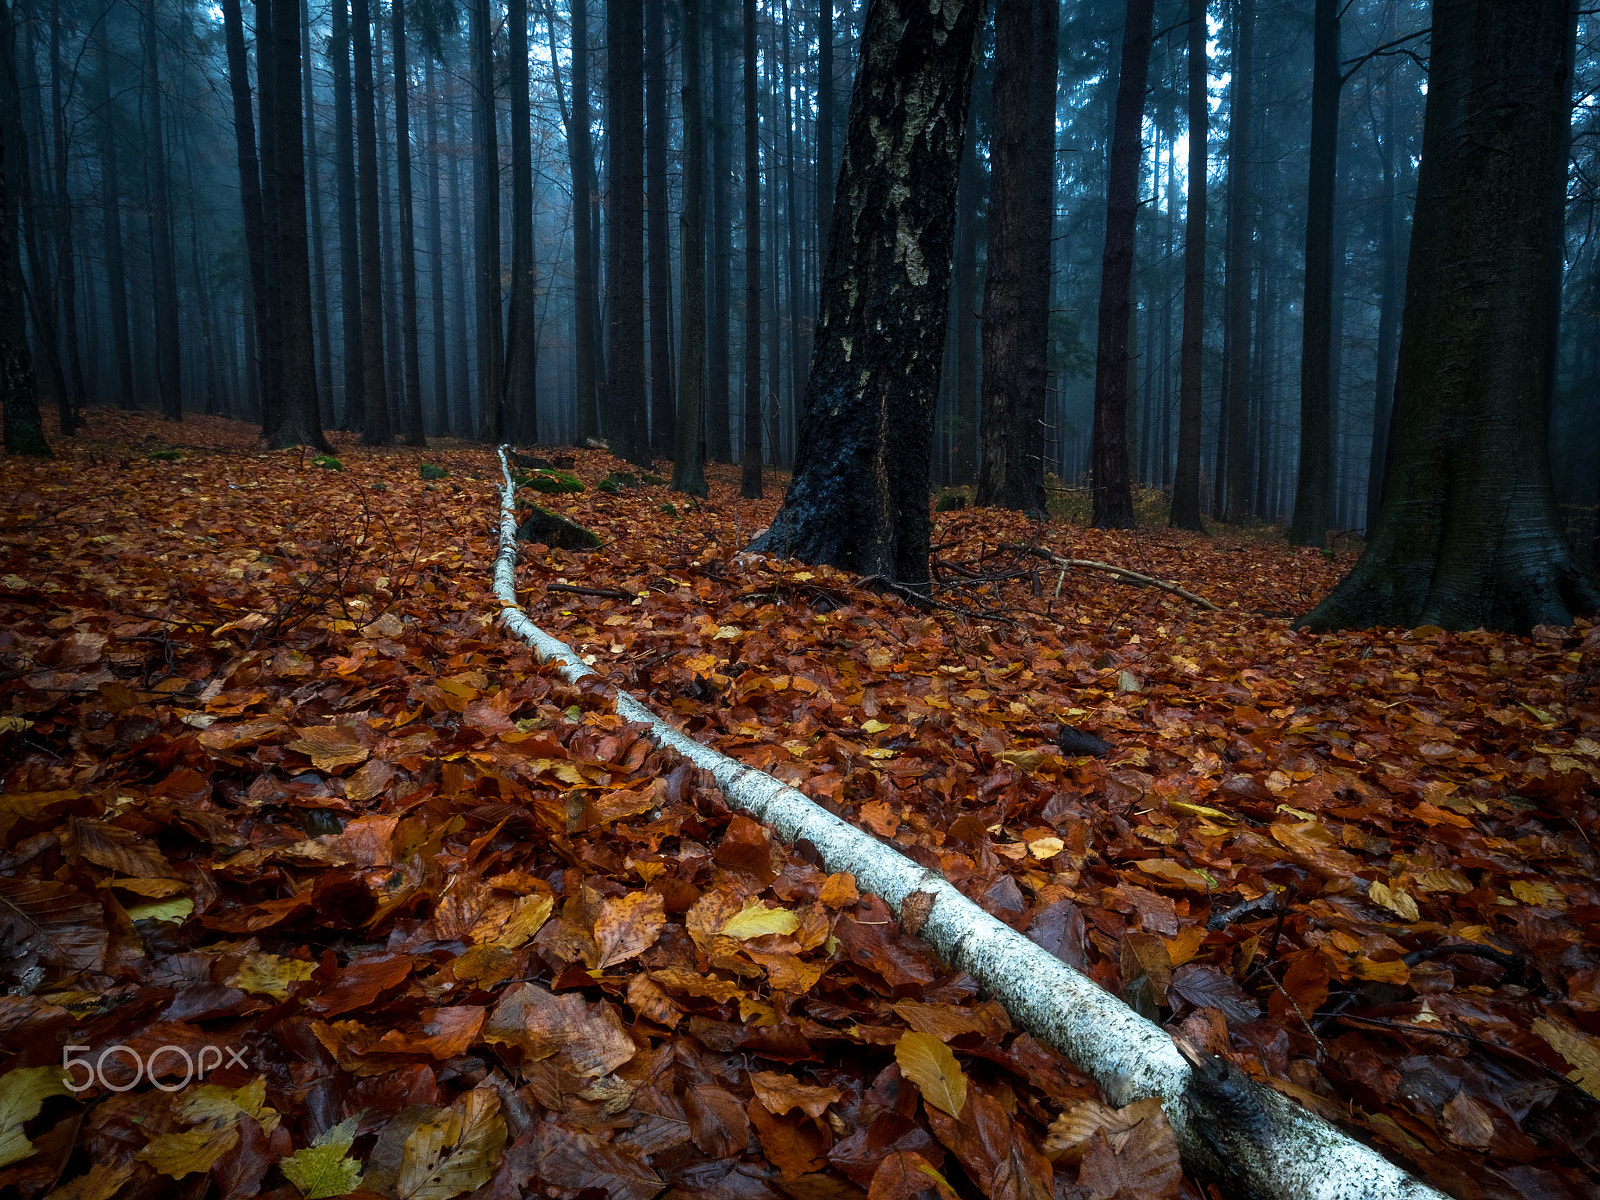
{"x":280,"y":801}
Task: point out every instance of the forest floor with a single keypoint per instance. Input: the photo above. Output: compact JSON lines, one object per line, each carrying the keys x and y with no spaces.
{"x":281,"y":801}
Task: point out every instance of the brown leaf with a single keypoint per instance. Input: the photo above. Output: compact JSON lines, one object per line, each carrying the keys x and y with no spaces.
{"x":780,"y":1093}
{"x":903,"y":1174}
{"x":627,"y":926}
{"x":915,"y":910}
{"x":577,"y":1160}
{"x":591,"y":1041}
{"x":1466,"y":1122}
{"x":59,"y":924}
{"x":118,"y":849}
{"x":717,"y":1121}
{"x":793,"y":1144}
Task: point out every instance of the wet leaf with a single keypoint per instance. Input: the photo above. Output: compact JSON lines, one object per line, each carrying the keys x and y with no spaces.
{"x":23,"y":1091}
{"x":928,"y":1063}
{"x":324,"y":1168}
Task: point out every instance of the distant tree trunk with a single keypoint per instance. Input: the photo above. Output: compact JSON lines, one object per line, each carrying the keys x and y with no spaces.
{"x":169,"y":361}
{"x":111,"y":207}
{"x":824,"y":125}
{"x":688,"y":457}
{"x":771,"y":322}
{"x":20,"y":421}
{"x":66,"y":266}
{"x":1112,"y":490}
{"x":462,"y":385}
{"x":300,"y":419}
{"x":393,"y":360}
{"x":522,"y":350}
{"x":1234,"y":478}
{"x":1468,"y":536}
{"x":719,"y":368}
{"x":415,"y":435}
{"x":199,"y":275}
{"x":1388,"y":310}
{"x":350,"y":320}
{"x":270,"y":334}
{"x":799,"y":320}
{"x":441,"y":366}
{"x":750,"y":450}
{"x":1186,"y":483}
{"x":658,"y":239}
{"x":1314,"y":485}
{"x":580,"y":159}
{"x":625,"y":383}
{"x":969,"y":194}
{"x":1016,"y":294}
{"x":375,"y":429}
{"x":486,"y":207}
{"x":319,"y":262}
{"x":859,"y":499}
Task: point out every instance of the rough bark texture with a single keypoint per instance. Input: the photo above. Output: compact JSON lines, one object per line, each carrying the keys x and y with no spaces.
{"x":625,"y":381}
{"x":859,"y":499}
{"x":375,"y":428}
{"x":1111,"y":488}
{"x":1234,"y":476}
{"x":1314,"y":486}
{"x":659,"y":239}
{"x":299,"y":418}
{"x":1469,"y":535}
{"x":1016,"y":293}
{"x":688,"y":458}
{"x":1250,"y":1140}
{"x":750,"y":449}
{"x":522,"y":341}
{"x":344,"y":171}
{"x":1186,"y":482}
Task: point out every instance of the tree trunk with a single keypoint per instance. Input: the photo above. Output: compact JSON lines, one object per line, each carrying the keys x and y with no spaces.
{"x":522,"y":351}
{"x":1468,"y":536}
{"x":799,"y":319}
{"x":859,"y":499}
{"x":486,"y":207}
{"x":441,"y":365}
{"x":750,"y":449}
{"x":1234,"y":478}
{"x":414,"y":433}
{"x":1112,"y":491}
{"x":350,"y":321}
{"x":111,"y":206}
{"x":20,"y":422}
{"x":659,"y":240}
{"x":719,"y":443}
{"x":1016,"y":292}
{"x":319,"y":262}
{"x":375,"y":428}
{"x":969,"y":194}
{"x":1186,"y":483}
{"x":625,"y":381}
{"x":300,"y":420}
{"x":580,"y":159}
{"x":66,"y":267}
{"x":270,"y":343}
{"x":394,"y":371}
{"x":169,"y":369}
{"x":824,"y":125}
{"x":1314,"y":485}
{"x":1388,"y":310}
{"x":688,"y":458}
{"x":462,"y":384}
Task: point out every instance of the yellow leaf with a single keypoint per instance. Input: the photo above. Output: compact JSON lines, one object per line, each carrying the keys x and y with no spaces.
{"x":1540,"y":895}
{"x":322,"y":1170}
{"x":1170,"y":871}
{"x":101,"y":1182}
{"x":928,"y":1063}
{"x":1201,"y":810}
{"x":22,"y":1094}
{"x":756,"y":919}
{"x":175,"y":911}
{"x":154,"y":888}
{"x":212,"y":1105}
{"x":270,"y":975}
{"x":180,"y":1154}
{"x":329,"y":746}
{"x":527,"y":918}
{"x":728,"y":632}
{"x":1394,"y":900}
{"x":876,"y":753}
{"x":1046,"y":847}
{"x":873,"y":725}
{"x":455,"y":1153}
{"x":1578,"y":1049}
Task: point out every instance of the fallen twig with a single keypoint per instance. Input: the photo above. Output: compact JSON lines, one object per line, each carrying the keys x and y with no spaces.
{"x":1119,"y":572}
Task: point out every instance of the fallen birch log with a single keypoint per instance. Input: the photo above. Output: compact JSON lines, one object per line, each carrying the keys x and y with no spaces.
{"x":1247,"y":1138}
{"x":1120,"y":572}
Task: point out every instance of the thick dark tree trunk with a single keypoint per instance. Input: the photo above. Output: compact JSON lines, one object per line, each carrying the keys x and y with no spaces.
{"x":1112,"y":490}
{"x":441,"y":365}
{"x":1469,"y":536}
{"x":1234,"y":474}
{"x":1314,"y":487}
{"x":859,"y":499}
{"x":300,"y":420}
{"x":625,"y":381}
{"x":969,"y":194}
{"x":486,"y":209}
{"x":20,"y":422}
{"x":1016,"y":293}
{"x":169,"y":361}
{"x":658,"y":239}
{"x":319,"y":261}
{"x":1186,"y":482}
{"x":344,"y":166}
{"x":688,"y":457}
{"x":375,"y":428}
{"x":414,"y":433}
{"x":111,"y":206}
{"x":522,"y":349}
{"x":750,"y":448}
{"x":719,"y":367}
